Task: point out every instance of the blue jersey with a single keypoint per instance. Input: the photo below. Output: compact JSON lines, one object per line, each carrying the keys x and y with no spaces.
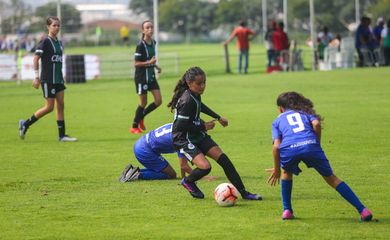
{"x":160,"y":139}
{"x":295,"y":131}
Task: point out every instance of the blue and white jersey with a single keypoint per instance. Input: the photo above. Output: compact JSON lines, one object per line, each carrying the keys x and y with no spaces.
{"x":295,"y":131}
{"x":160,"y":140}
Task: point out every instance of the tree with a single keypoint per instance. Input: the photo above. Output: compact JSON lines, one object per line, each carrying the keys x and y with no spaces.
{"x":381,"y":9}
{"x":16,"y":15}
{"x":230,"y":12}
{"x":71,"y":20}
{"x":187,"y":17}
{"x":143,"y":6}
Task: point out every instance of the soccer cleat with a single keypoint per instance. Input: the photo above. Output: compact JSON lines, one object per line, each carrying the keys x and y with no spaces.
{"x":22,"y":129}
{"x":141,"y":125}
{"x":287,"y":214}
{"x":127,"y":168}
{"x":131,"y":174}
{"x":67,"y":138}
{"x":135,"y":130}
{"x":366,"y":215}
{"x":192,"y":188}
{"x":251,"y":196}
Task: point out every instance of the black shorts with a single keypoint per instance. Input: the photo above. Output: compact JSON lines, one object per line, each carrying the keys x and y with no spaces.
{"x":50,"y":90}
{"x":143,"y":87}
{"x":190,"y":151}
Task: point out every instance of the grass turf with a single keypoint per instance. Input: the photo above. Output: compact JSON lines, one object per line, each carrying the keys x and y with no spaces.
{"x":52,"y":190}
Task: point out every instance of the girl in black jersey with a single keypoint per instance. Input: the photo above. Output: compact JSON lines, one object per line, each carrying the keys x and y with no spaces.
{"x":51,"y":80}
{"x":189,"y":134}
{"x":145,"y":79}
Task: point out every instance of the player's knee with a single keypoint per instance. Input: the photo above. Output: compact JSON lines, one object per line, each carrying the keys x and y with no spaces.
{"x":48,"y":108}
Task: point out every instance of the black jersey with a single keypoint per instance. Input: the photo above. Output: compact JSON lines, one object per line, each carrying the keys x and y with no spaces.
{"x":50,"y":51}
{"x":143,"y":53}
{"x":187,"y":125}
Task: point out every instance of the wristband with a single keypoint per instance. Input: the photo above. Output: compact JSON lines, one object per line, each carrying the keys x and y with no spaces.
{"x":36,"y":73}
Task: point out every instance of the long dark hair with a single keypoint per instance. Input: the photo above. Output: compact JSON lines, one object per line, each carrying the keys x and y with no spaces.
{"x":182,"y":84}
{"x":296,"y":101}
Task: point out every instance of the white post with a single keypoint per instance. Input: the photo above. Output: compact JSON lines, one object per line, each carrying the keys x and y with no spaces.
{"x":264,"y":16}
{"x":357,"y":11}
{"x":285,"y":22}
{"x":59,"y":16}
{"x":313,"y":34}
{"x":155,"y":23}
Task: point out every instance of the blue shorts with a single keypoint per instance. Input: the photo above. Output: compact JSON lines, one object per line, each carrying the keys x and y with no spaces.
{"x":312,"y":159}
{"x":147,"y":157}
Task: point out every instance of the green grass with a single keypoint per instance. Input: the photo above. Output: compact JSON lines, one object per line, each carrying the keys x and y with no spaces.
{"x":52,"y":190}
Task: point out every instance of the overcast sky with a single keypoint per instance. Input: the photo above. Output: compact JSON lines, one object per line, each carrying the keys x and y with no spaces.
{"x":37,"y":3}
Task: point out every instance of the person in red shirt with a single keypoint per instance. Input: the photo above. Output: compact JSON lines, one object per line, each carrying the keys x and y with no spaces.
{"x":280,"y":41}
{"x":243,"y":35}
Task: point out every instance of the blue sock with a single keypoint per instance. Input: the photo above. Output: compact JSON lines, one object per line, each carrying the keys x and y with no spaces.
{"x":286,"y":194}
{"x":347,"y":193}
{"x":147,"y":174}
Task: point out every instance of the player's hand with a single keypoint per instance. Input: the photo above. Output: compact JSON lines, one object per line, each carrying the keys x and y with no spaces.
{"x":36,"y":83}
{"x":209,"y":125}
{"x":223,"y":121}
{"x":153,"y":60}
{"x":275,"y":176}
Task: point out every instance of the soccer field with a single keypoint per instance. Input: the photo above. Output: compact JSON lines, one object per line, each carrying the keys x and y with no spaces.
{"x":53,"y":190}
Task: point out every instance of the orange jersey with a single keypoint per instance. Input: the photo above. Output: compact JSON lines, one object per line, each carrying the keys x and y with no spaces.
{"x":242,"y":34}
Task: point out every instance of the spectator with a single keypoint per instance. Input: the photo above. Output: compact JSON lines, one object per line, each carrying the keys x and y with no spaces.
{"x":385,"y":42}
{"x":244,"y":35}
{"x":378,"y":30}
{"x":281,"y":43}
{"x":364,"y":38}
{"x":269,"y":43}
{"x":124,"y":33}
{"x":325,"y":36}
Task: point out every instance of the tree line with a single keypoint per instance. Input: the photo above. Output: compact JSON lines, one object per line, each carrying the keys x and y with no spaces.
{"x":199,"y":17}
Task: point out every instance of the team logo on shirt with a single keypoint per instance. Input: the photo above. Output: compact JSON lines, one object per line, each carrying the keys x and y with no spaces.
{"x":145,"y":87}
{"x":56,"y":58}
{"x":191,"y":146}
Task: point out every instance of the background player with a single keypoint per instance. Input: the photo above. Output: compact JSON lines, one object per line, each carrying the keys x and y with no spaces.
{"x":145,"y":78}
{"x":190,"y":137}
{"x":52,"y":81}
{"x":296,"y":135}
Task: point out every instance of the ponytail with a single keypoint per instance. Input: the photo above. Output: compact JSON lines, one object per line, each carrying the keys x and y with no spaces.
{"x":182,"y":85}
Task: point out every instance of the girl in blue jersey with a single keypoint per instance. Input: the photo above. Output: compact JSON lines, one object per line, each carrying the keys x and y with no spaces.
{"x":189,"y":133}
{"x":148,"y":150}
{"x":145,"y":79}
{"x":51,"y":79}
{"x":296,"y":135}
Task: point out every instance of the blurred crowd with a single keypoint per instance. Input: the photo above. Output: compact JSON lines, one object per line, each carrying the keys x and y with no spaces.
{"x":12,"y":43}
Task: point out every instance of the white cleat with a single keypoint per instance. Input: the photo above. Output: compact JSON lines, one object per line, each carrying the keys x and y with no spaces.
{"x":22,"y":129}
{"x":67,"y":138}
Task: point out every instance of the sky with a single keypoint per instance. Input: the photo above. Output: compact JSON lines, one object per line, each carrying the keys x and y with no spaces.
{"x":37,"y":3}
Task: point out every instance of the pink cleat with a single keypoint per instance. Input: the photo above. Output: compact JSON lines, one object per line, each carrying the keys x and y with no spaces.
{"x":366,"y":215}
{"x":287,"y":214}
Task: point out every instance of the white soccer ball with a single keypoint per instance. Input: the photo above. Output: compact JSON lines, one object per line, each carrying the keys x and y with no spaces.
{"x":225,"y":194}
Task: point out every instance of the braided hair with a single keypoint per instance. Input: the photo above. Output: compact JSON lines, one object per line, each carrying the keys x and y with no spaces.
{"x":182,"y":84}
{"x":296,"y":101}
